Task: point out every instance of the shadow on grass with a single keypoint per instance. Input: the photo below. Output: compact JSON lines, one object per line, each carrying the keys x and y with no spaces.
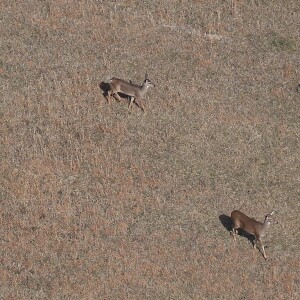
{"x":226,"y":222}
{"x":104,"y":86}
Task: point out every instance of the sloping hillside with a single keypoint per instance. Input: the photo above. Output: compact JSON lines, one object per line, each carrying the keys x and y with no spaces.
{"x":99,"y":202}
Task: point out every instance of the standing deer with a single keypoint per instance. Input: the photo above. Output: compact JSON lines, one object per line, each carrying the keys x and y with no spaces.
{"x":134,"y":91}
{"x":251,"y":226}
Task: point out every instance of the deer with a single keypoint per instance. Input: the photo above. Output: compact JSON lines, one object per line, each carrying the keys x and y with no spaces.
{"x":134,"y":91}
{"x":251,"y":226}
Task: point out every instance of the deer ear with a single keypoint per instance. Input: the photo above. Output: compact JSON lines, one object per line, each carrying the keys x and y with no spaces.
{"x":271,"y":213}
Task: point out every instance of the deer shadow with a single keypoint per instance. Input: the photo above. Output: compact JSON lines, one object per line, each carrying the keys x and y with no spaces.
{"x":227,"y":223}
{"x":105,"y":87}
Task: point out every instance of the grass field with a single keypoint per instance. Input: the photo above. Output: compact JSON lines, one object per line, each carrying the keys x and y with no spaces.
{"x":99,"y":202}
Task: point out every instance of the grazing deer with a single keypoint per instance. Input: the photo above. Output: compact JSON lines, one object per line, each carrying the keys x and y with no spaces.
{"x":134,"y":91}
{"x":251,"y":226}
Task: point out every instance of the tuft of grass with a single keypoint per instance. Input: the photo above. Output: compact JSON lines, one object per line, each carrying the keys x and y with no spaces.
{"x":283,"y":43}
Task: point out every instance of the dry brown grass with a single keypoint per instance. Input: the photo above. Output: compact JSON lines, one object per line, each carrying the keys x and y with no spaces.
{"x":101,"y":203}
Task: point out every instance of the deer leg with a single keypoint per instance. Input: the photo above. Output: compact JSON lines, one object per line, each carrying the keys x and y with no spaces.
{"x":254,"y":243}
{"x":139,"y":104}
{"x":117,"y":97}
{"x":108,"y":96}
{"x":263,"y":249}
{"x":131,"y":98}
{"x":233,"y":233}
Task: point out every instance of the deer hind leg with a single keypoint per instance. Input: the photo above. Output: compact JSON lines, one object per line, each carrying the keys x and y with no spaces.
{"x":233,"y":233}
{"x":131,"y":100}
{"x":254,"y":243}
{"x":109,"y":93}
{"x":117,"y":97}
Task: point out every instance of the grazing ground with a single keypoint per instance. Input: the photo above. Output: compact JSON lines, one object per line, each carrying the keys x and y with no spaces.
{"x":100,"y":202}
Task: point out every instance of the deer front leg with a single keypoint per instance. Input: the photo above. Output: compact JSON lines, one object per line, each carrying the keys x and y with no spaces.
{"x":139,"y":104}
{"x":263,"y":249}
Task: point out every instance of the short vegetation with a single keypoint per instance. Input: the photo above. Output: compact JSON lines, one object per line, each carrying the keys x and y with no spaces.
{"x":102,"y":202}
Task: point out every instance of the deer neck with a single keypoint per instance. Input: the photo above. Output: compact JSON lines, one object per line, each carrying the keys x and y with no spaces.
{"x":265,"y":227}
{"x":144,"y":89}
